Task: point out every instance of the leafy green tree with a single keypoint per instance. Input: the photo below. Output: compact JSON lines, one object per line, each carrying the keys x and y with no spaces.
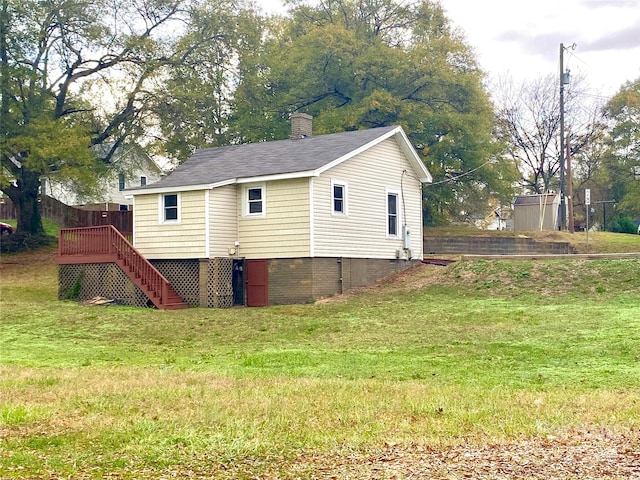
{"x":57,"y":59}
{"x":366,"y":64}
{"x":622,"y":164}
{"x":195,"y":102}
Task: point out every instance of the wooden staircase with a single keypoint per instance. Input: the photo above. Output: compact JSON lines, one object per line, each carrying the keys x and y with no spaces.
{"x":106,"y":244}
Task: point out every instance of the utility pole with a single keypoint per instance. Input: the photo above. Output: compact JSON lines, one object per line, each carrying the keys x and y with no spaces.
{"x":563,"y":210}
{"x":571,"y":223}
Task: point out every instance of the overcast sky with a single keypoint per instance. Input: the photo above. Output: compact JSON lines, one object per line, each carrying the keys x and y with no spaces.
{"x":522,"y":38}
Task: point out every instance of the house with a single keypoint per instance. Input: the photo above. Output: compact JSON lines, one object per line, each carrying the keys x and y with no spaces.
{"x":132,"y":167}
{"x":536,"y":212}
{"x":286,"y":221}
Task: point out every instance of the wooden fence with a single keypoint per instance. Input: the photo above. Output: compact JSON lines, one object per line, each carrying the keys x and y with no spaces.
{"x":7,"y":209}
{"x":71,"y":217}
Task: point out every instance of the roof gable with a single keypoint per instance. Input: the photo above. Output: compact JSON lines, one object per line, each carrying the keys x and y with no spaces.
{"x":290,"y":158}
{"x":128,"y":156}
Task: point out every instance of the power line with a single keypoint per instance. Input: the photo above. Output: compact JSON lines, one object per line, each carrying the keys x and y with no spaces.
{"x":452,"y":179}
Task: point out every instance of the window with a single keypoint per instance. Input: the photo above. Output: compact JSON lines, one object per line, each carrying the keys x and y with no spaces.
{"x":124,"y":208}
{"x":338,"y":198}
{"x":170,"y":204}
{"x":143,"y":181}
{"x":121,"y":181}
{"x":255,"y":201}
{"x":392,"y":214}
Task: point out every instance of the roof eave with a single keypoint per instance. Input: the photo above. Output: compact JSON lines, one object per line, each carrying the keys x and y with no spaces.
{"x":181,"y":188}
{"x":418,"y":165}
{"x":279,"y":176}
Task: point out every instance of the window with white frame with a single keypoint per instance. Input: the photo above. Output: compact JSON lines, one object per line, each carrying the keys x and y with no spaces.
{"x":338,"y":198}
{"x":254,"y":201}
{"x":393,"y":216}
{"x":121,"y":181}
{"x":143,"y":181}
{"x":170,"y":207}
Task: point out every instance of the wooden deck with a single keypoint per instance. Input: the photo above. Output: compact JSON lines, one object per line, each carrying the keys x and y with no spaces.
{"x":106,"y":244}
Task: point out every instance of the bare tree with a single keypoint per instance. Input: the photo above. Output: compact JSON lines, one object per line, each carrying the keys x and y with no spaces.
{"x":528,"y":119}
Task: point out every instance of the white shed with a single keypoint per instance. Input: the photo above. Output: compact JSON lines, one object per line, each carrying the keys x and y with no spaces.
{"x":536,"y":212}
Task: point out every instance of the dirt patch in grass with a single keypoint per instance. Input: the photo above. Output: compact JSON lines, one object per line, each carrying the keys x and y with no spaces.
{"x":578,"y":455}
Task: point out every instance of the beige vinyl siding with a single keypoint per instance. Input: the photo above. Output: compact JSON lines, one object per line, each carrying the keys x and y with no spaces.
{"x":362,"y":233}
{"x":223,"y":224}
{"x":157,"y":240}
{"x":283,"y":232}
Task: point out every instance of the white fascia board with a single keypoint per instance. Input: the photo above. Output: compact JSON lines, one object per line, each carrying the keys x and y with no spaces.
{"x":418,"y":165}
{"x":280,"y":176}
{"x":229,"y":181}
{"x":182,"y":188}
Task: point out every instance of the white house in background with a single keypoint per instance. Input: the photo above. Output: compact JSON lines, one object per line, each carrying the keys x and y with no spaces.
{"x":285,"y":221}
{"x":132,"y":167}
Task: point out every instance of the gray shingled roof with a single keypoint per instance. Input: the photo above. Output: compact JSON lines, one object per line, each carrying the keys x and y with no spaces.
{"x":215,"y":165}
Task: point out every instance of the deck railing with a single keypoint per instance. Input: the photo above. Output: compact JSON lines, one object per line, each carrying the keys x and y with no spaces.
{"x":106,"y":243}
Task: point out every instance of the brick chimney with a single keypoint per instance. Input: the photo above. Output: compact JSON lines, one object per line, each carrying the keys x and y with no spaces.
{"x":301,"y":125}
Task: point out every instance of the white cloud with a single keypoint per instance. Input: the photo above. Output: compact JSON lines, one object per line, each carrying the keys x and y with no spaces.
{"x":624,"y":39}
{"x":523,"y":38}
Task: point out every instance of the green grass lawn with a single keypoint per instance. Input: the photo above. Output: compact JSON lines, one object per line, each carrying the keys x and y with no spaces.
{"x":50,"y":227}
{"x":475,"y":352}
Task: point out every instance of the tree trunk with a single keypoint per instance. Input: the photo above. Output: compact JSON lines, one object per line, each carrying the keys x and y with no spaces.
{"x":27,"y":205}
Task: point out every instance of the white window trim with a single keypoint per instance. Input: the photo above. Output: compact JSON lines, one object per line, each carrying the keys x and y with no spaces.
{"x":161,"y":211}
{"x":398,"y":213}
{"x":345,"y":199}
{"x":245,"y":200}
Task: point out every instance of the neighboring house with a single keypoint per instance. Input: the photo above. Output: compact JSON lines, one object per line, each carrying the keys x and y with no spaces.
{"x":286,"y":221}
{"x":499,"y":218}
{"x":132,"y":167}
{"x":536,"y":212}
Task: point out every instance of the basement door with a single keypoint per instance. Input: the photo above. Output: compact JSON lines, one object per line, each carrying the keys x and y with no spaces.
{"x":257,"y":274}
{"x":237,"y":282}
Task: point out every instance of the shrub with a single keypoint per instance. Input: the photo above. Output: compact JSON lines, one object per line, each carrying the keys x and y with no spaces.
{"x":622,"y":225}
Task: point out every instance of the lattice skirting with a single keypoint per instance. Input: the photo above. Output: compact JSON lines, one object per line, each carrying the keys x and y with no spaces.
{"x":85,"y":281}
{"x":205,"y":283}
{"x":183,"y":276}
